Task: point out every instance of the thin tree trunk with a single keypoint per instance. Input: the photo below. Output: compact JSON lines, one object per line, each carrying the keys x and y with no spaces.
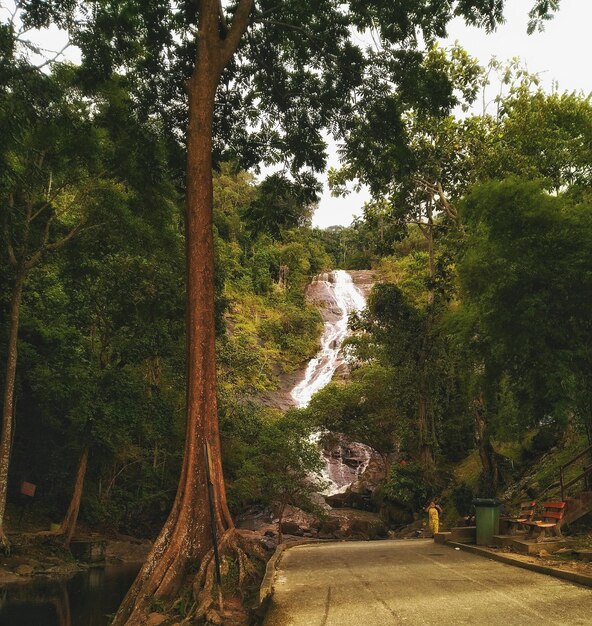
{"x":484,"y":446}
{"x":71,"y":517}
{"x":426,"y":440}
{"x":431,"y":262}
{"x":425,"y":429}
{"x":280,"y":520}
{"x":426,"y":449}
{"x":569,"y":433}
{"x":8,"y":404}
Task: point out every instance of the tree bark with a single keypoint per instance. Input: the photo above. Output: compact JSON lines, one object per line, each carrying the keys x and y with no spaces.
{"x":429,"y":234}
{"x":71,"y":517}
{"x":186,"y":536}
{"x":426,"y":449}
{"x":8,"y":404}
{"x":280,"y":520}
{"x":484,"y":446}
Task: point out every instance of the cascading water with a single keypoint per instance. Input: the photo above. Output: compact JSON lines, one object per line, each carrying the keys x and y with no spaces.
{"x":343,"y":298}
{"x":320,"y":370}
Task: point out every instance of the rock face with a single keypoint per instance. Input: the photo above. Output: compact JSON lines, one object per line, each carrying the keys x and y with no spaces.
{"x":364,"y":280}
{"x":346,"y":461}
{"x":319,"y":293}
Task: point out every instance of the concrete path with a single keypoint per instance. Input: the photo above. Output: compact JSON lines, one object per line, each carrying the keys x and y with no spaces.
{"x":416,"y":583}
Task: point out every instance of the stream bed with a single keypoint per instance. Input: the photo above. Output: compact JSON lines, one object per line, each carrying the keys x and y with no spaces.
{"x":87,"y":599}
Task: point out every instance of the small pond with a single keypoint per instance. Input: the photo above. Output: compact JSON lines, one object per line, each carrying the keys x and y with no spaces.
{"x":88,"y":599}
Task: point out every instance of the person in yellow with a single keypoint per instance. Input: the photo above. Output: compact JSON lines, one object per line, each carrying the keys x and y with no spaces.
{"x":433,"y":510}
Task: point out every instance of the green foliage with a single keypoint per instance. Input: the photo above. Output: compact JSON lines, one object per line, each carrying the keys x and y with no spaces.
{"x":543,"y":136}
{"x":102,"y":344}
{"x":406,"y":486}
{"x":462,"y":496}
{"x":279,"y":466}
{"x":526,"y":272}
{"x":102,"y":330}
{"x":366,"y":409}
{"x":281,"y":204}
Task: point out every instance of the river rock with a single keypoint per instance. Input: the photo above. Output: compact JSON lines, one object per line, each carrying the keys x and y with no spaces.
{"x":89,"y":550}
{"x":320,"y":294}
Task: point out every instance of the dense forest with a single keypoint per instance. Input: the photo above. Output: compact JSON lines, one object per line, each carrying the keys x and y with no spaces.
{"x":134,"y":250}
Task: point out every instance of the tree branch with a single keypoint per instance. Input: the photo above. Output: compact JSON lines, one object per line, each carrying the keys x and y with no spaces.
{"x":240,"y":23}
{"x":223,"y":22}
{"x":452,"y":212}
{"x":11,"y":255}
{"x":437,"y":189}
{"x":60,"y":243}
{"x":258,"y":17}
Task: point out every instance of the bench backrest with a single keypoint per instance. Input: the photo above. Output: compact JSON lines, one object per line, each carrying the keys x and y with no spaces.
{"x":527,"y":510}
{"x":554,"y":511}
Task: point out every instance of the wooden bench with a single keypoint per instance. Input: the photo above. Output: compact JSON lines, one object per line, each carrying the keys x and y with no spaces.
{"x":526,"y":514}
{"x":549,"y":525}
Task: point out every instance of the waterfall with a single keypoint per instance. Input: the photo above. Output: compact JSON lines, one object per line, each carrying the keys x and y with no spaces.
{"x":342,"y":298}
{"x":347,"y":299}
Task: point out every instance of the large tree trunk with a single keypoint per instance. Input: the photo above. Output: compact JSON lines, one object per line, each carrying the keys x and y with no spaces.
{"x":8,"y":404}
{"x":186,"y":536}
{"x":71,"y":517}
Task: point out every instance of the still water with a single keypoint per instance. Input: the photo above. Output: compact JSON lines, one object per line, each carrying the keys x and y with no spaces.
{"x":88,"y":599}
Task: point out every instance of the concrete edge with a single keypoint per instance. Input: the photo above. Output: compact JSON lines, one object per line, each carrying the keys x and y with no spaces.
{"x":573,"y":577}
{"x":266,"y":589}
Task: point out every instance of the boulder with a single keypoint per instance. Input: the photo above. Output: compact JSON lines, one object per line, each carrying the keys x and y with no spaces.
{"x":257,"y":519}
{"x":298,"y":522}
{"x":351,"y":523}
{"x":329,"y":526}
{"x":368,"y":528}
{"x":394,"y":515}
{"x":371,"y":477}
{"x":338,"y":500}
{"x":291,"y":528}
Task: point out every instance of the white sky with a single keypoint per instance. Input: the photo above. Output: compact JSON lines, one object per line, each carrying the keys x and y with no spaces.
{"x":561,"y":53}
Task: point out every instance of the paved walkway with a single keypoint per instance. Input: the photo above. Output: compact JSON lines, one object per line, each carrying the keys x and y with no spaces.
{"x":416,"y":583}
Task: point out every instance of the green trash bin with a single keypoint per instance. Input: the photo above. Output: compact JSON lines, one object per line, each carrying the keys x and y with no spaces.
{"x":487,"y":514}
